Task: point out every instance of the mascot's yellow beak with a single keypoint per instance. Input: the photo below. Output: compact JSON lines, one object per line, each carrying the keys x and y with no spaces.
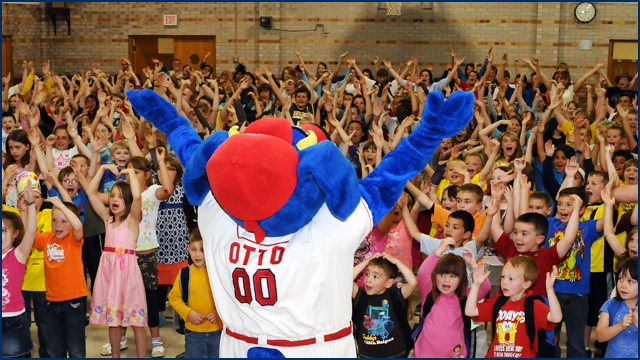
{"x":234,"y":130}
{"x":311,"y":139}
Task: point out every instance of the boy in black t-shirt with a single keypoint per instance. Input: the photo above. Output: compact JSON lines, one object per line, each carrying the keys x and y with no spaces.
{"x":380,"y":309}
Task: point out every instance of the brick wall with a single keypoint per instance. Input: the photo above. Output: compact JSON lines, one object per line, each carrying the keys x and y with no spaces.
{"x":100,"y":31}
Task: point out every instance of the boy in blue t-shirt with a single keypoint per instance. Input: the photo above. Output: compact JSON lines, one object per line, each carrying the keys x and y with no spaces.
{"x":67,"y":187}
{"x":572,"y":283}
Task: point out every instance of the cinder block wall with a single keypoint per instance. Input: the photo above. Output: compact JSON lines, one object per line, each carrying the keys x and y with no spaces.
{"x":100,"y":31}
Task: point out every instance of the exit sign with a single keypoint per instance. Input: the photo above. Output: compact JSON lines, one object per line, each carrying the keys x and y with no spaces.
{"x":170,"y":20}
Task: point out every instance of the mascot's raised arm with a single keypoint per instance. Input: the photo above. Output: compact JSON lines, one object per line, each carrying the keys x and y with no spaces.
{"x":282,"y":214}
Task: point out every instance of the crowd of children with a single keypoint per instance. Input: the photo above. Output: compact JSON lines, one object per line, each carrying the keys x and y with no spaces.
{"x":541,"y":177}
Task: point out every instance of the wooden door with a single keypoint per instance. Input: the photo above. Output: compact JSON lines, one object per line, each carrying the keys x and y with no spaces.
{"x":7,"y":58}
{"x":191,"y":50}
{"x":144,"y":48}
{"x":623,"y":58}
{"x":620,"y":66}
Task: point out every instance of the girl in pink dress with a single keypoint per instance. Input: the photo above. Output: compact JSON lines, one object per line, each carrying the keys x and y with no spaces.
{"x":118,"y":297}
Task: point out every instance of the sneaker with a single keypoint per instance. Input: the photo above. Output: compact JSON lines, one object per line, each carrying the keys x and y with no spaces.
{"x":158,"y":350}
{"x":106,"y":348}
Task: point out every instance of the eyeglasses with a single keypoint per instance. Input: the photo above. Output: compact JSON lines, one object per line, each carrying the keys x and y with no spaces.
{"x":67,"y":181}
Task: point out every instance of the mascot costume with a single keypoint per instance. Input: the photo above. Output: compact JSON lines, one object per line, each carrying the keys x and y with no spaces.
{"x":282,"y":214}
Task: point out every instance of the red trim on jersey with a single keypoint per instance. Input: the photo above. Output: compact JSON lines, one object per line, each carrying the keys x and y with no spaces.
{"x":368,"y":211}
{"x":253,"y":241}
{"x":291,"y":343}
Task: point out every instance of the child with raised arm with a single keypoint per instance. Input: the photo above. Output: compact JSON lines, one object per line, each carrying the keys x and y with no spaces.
{"x":118,"y":299}
{"x":469,"y":197}
{"x":574,"y":273}
{"x":528,"y":238}
{"x":65,"y":282}
{"x":380,"y":309}
{"x":17,"y":240}
{"x":511,"y":339}
{"x":443,"y":285}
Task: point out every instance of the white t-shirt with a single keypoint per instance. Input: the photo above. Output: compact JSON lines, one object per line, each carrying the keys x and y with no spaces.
{"x":62,"y":158}
{"x":428,"y":245}
{"x":147,"y":238}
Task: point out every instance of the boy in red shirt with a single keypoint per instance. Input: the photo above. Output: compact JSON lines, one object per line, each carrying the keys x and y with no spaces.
{"x":510,"y":338}
{"x":530,"y":232}
{"x":64,"y":278}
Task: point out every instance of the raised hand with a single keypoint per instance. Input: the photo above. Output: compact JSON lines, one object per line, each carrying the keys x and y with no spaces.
{"x":479,"y":275}
{"x":50,"y":141}
{"x":160,"y":154}
{"x":504,"y":59}
{"x":34,"y":137}
{"x":524,"y":182}
{"x":551,"y":278}
{"x":607,"y":198}
{"x":446,"y":242}
{"x":549,"y":148}
{"x":470,"y":258}
{"x":571,"y":169}
{"x":577,"y":203}
{"x":494,"y":207}
{"x":519,"y":164}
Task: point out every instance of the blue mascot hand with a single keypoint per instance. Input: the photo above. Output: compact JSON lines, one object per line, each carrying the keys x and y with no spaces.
{"x":445,"y":119}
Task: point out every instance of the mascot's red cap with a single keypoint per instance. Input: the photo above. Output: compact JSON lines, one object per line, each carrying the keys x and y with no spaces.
{"x":321,"y":134}
{"x":252,"y":175}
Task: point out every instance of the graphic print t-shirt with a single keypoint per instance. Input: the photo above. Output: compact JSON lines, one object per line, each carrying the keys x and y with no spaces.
{"x":380,"y":332}
{"x":510,"y":339}
{"x":574,"y":273}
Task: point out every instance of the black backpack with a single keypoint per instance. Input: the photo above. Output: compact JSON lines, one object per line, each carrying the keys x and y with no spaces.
{"x":545,"y":349}
{"x":185,"y":280}
{"x":426,"y":309}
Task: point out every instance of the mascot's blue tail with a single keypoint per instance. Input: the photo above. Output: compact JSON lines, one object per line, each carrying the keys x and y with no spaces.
{"x":264,"y":353}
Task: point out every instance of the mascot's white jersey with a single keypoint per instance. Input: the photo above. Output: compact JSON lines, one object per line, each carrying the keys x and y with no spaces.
{"x":271,"y":290}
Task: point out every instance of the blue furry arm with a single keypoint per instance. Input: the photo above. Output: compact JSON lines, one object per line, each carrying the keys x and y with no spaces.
{"x":383,"y":187}
{"x":196,"y":183}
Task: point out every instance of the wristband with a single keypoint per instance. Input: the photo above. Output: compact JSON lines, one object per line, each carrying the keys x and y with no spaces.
{"x":202,"y":84}
{"x":30,"y":203}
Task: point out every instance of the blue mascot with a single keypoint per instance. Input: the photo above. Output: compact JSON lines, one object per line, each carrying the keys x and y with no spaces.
{"x":282,"y":215}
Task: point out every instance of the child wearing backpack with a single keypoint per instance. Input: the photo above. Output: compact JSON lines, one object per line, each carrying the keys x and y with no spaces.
{"x":444,"y":329}
{"x":380,"y":309}
{"x":618,"y":323}
{"x":192,"y":299}
{"x":516,"y":308}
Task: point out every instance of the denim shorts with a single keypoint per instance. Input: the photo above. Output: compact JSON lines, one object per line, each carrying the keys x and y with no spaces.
{"x":16,"y":335}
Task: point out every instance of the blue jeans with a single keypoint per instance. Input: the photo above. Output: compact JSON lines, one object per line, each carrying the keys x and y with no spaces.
{"x":201,"y":345}
{"x":16,"y":336}
{"x":65,"y":330}
{"x":40,"y":315}
{"x":575,"y":308}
